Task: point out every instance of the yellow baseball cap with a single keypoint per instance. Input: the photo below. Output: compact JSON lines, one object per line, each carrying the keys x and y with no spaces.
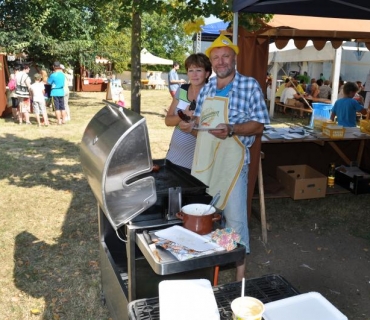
{"x":222,"y":41}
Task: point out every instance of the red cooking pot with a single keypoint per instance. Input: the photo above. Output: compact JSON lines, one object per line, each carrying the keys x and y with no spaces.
{"x":194,"y":219}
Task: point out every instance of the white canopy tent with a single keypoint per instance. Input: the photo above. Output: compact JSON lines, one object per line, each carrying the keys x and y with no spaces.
{"x":341,"y":58}
{"x":147,"y":58}
{"x":291,"y":54}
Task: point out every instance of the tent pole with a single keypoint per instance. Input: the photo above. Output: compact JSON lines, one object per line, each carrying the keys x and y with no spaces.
{"x":274,"y":74}
{"x":235,"y":27}
{"x":336,"y":74}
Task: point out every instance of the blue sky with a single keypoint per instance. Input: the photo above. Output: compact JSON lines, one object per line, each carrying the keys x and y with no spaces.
{"x":211,"y":19}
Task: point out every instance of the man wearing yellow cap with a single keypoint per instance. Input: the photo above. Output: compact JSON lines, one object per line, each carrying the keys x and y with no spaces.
{"x":230,"y":112}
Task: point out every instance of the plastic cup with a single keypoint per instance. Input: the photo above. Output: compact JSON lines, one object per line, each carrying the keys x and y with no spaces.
{"x":247,"y":308}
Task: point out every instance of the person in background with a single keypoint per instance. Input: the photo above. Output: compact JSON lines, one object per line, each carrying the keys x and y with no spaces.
{"x":309,"y":86}
{"x":44,"y":76}
{"x":23,"y":82}
{"x":315,"y":91}
{"x":345,"y":109}
{"x":57,"y":80}
{"x":13,"y":95}
{"x":69,"y":75}
{"x":322,"y":77}
{"x":37,"y":92}
{"x":291,"y":97}
{"x":303,"y":86}
{"x":360,"y":96}
{"x":360,"y":86}
{"x":173,"y":79}
{"x":151,"y":79}
{"x":241,"y":114}
{"x":268,"y":89}
{"x":340,"y":89}
{"x":182,"y":145}
{"x":117,"y":92}
{"x":324,"y":89}
{"x":298,"y":87}
{"x":281,"y":88}
{"x":66,"y":94}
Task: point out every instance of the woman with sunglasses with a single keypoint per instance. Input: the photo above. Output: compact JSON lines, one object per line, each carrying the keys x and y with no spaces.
{"x":182,"y":145}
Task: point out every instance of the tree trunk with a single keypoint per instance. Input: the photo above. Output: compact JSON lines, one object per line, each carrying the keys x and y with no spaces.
{"x":135,"y":58}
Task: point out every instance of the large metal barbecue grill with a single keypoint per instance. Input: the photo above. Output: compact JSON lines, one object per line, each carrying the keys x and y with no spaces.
{"x":132,"y":200}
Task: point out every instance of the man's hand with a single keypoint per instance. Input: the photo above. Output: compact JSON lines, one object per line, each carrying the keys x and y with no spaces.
{"x":221,"y":131}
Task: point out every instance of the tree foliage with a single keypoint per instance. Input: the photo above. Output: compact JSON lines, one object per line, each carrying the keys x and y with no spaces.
{"x":48,"y":29}
{"x":78,"y":30}
{"x":179,"y":11}
{"x":164,"y":39}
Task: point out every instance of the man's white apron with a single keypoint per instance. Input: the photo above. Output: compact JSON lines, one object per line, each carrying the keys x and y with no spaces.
{"x":217,"y":163}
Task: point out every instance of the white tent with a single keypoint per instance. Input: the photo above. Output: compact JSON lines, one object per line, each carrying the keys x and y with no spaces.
{"x":147,"y":58}
{"x":350,"y":61}
{"x":291,"y":54}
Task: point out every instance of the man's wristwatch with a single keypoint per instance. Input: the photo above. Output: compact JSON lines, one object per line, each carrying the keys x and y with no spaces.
{"x":231,"y":131}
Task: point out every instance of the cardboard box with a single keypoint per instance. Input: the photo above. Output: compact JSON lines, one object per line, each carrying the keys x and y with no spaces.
{"x":353,"y":179}
{"x":302,"y":182}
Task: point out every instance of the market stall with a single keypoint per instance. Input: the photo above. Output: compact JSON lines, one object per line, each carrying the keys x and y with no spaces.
{"x":5,"y":107}
{"x":90,"y":82}
{"x":310,"y":147}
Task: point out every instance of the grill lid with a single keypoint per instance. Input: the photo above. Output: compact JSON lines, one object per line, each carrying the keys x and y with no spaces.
{"x":114,"y":150}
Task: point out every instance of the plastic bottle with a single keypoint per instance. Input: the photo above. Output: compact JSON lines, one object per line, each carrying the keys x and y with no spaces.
{"x":331,"y":175}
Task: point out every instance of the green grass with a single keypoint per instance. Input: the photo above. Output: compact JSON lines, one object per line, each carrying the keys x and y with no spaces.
{"x":48,"y":221}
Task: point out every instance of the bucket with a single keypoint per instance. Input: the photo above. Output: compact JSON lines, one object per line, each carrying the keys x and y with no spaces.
{"x":320,"y":110}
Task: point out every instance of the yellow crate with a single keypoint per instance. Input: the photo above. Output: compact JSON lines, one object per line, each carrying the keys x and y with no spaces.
{"x":319,"y":123}
{"x":365,"y":126}
{"x":328,"y":123}
{"x":334,"y":132}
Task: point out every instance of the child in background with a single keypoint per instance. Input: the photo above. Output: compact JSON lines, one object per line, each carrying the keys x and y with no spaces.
{"x":37,"y":92}
{"x":117,"y":93}
{"x":44,"y":79}
{"x":345,"y":108}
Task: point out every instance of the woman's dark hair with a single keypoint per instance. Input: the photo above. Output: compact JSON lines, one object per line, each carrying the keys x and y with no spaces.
{"x":199,"y":60}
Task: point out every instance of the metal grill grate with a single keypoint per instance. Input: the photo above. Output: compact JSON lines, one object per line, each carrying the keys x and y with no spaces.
{"x":267,"y":289}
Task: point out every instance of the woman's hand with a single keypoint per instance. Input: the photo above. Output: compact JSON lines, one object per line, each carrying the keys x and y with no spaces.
{"x":186,"y":126}
{"x":189,"y":112}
